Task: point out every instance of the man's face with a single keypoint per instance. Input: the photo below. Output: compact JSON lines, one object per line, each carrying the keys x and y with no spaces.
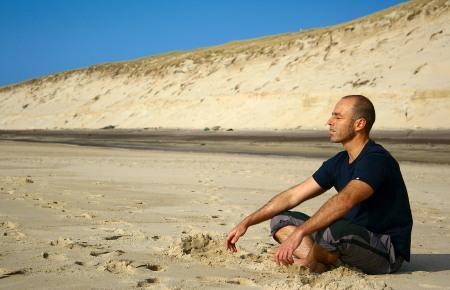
{"x":341,"y":122}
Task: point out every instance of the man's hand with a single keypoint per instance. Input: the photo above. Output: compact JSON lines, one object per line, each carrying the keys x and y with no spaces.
{"x":285,"y":252}
{"x":234,"y":236}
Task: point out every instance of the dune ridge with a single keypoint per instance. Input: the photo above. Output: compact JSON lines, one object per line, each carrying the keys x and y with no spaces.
{"x":398,"y":57}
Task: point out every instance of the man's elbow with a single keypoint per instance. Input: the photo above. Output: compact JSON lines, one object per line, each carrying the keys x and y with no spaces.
{"x":354,"y":193}
{"x":346,"y":203}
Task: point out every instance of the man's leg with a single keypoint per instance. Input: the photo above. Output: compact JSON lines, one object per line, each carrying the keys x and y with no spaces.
{"x":308,"y":253}
{"x":319,"y":258}
{"x":357,"y":247}
{"x":282,"y":226}
{"x":303,"y":250}
{"x":360,"y":248}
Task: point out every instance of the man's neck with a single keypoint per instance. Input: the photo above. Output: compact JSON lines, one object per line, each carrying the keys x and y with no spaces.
{"x":355,"y":146}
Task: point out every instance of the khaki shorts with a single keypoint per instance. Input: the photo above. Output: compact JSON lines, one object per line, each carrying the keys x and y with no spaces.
{"x":358,"y":247}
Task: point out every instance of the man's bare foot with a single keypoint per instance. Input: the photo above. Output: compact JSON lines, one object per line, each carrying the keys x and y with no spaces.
{"x":318,"y":267}
{"x":303,"y":249}
{"x":272,"y":252}
{"x":301,"y":262}
{"x":315,"y":267}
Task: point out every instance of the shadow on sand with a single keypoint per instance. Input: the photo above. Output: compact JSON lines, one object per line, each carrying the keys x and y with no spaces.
{"x":427,"y":262}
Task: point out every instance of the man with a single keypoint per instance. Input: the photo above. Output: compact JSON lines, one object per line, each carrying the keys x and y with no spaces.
{"x":367,"y":224}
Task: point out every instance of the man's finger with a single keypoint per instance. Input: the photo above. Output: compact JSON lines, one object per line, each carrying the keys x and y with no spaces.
{"x":230,"y":235}
{"x":285,"y":257}
{"x":291,"y":259}
{"x":279,"y":257}
{"x":229,"y":244}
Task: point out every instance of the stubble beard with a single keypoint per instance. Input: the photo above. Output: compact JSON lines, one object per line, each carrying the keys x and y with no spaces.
{"x":343,"y":136}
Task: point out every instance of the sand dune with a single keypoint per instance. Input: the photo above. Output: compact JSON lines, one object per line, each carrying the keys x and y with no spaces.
{"x":398,"y":57}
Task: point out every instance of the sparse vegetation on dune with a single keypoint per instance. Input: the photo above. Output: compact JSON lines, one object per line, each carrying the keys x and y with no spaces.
{"x":391,"y":55}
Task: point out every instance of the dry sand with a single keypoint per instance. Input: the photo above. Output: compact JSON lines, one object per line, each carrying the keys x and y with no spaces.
{"x":106,"y":218}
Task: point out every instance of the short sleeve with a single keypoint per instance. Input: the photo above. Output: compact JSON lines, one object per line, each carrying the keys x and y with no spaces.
{"x":324,"y":175}
{"x":372,"y":169}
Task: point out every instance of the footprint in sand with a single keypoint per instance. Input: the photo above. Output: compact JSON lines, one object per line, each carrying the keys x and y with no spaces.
{"x":54,"y":257}
{"x":43,"y":203}
{"x":127,"y":267}
{"x":11,"y":229}
{"x":70,"y":244}
{"x":118,"y":267}
{"x":5,"y":273}
{"x":118,"y":233}
{"x":151,"y":267}
{"x":115,"y":237}
{"x":86,"y":215}
{"x":106,"y":253}
{"x":59,"y":205}
{"x":65,"y":242}
{"x":218,"y":281}
{"x":147,"y":282}
{"x":94,"y":196}
{"x":212,"y":198}
{"x":8,"y":225}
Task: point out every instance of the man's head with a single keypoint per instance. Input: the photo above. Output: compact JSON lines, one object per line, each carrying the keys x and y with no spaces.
{"x":352,"y":115}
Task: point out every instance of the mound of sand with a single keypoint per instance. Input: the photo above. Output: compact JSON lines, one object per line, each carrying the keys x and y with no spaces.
{"x":209,"y":249}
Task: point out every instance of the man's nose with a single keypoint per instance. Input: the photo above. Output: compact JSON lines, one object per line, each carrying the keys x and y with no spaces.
{"x":330,"y":121}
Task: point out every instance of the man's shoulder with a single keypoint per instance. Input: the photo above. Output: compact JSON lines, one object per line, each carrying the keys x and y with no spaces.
{"x":376,"y":150}
{"x":376,"y":154}
{"x":338,"y":157}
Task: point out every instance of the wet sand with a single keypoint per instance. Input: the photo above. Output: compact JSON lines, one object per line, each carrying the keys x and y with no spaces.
{"x":431,"y":146}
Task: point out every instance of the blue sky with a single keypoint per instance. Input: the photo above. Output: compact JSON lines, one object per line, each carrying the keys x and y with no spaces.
{"x":41,"y":37}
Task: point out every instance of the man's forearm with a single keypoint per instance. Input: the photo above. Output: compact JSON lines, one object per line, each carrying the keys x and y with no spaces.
{"x":273,"y":207}
{"x":336,"y":207}
{"x":332,"y":210}
{"x":281,"y":202}
{"x":284,"y":201}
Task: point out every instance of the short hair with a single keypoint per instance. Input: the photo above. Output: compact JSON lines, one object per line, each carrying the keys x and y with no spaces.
{"x":363,"y":108}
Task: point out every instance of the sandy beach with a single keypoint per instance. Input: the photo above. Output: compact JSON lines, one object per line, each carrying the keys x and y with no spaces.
{"x":129,"y":175}
{"x":81,"y":217}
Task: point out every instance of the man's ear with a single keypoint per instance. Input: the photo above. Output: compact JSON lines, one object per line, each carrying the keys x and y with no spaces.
{"x":360,"y":124}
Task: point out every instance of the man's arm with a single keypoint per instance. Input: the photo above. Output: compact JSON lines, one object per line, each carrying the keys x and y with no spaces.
{"x":281,"y":202}
{"x":334,"y":208}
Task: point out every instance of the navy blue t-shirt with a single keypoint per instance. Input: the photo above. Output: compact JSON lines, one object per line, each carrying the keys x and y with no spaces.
{"x":387,"y":210}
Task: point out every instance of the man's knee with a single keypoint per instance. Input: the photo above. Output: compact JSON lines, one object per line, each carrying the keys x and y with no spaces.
{"x":281,"y":234}
{"x":283,"y":224}
{"x":287,"y":218}
{"x":280,"y":218}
